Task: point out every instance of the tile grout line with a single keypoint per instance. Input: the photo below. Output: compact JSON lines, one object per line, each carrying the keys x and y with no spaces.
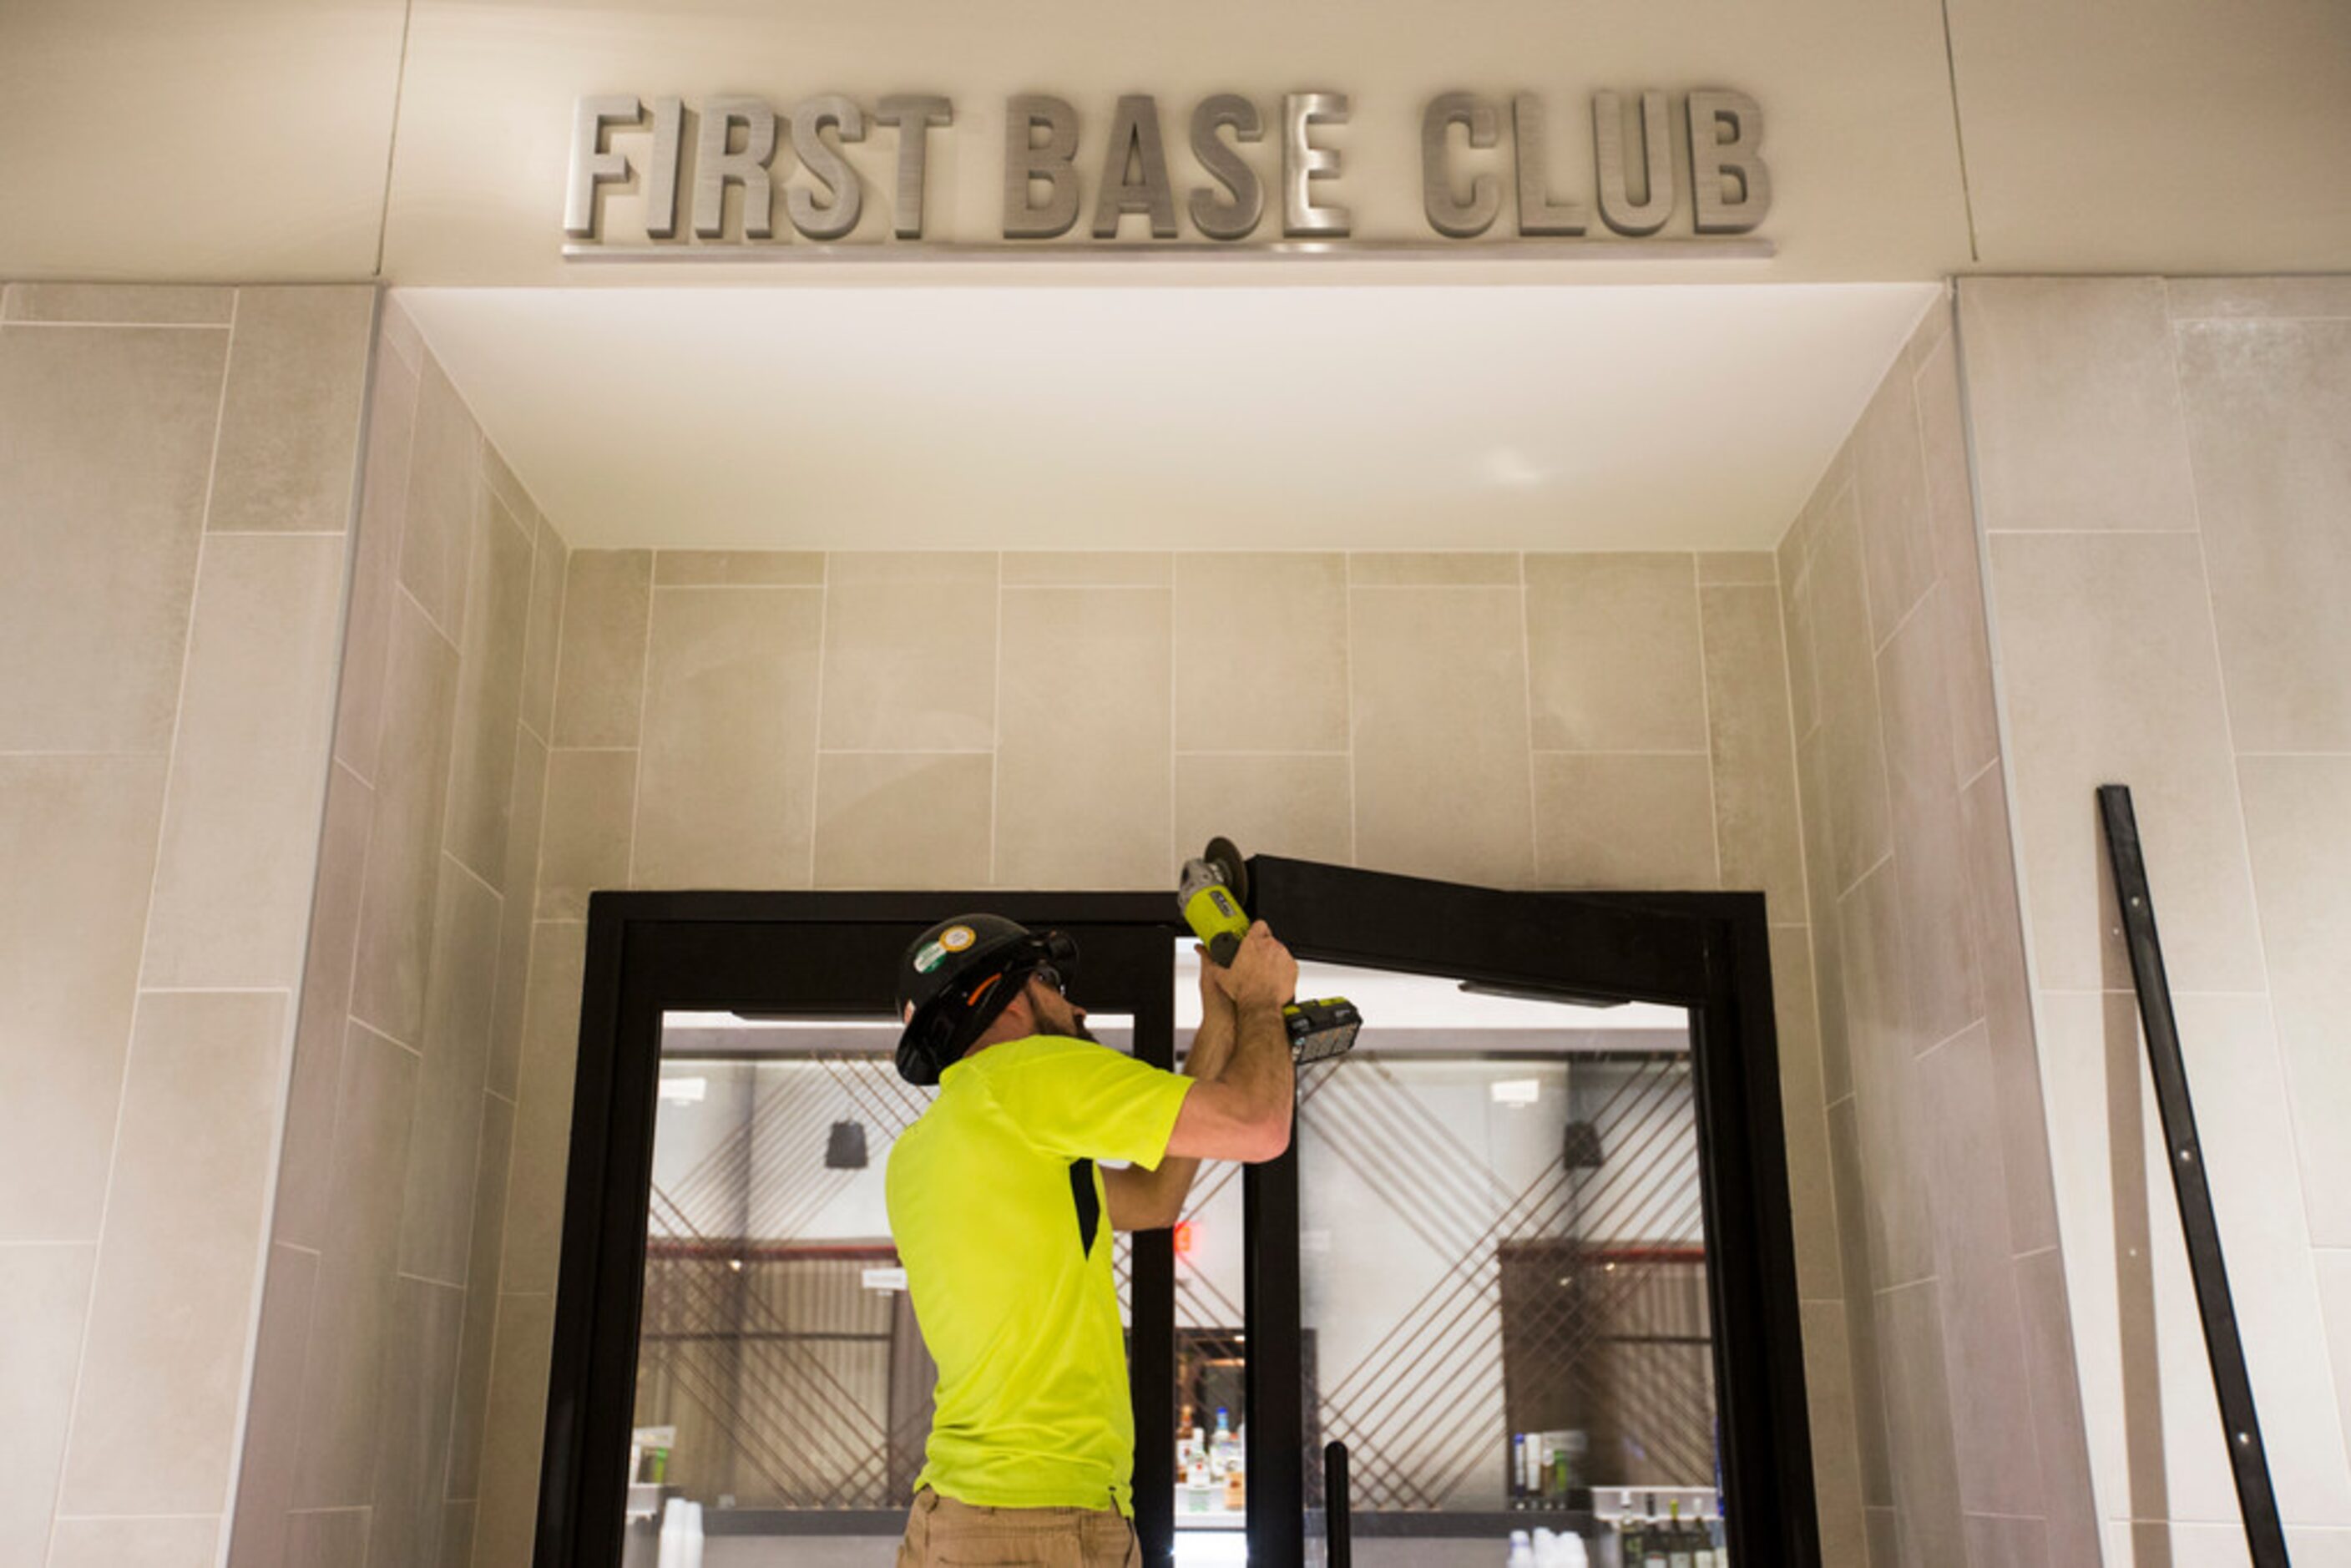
{"x":645,"y":703}
{"x":154,"y":881}
{"x":996,"y":726}
{"x":816,"y":737}
{"x":1706,"y":713}
{"x":1347,"y":659}
{"x":1527,"y":695}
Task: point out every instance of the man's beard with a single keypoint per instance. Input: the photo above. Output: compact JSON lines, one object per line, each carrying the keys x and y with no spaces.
{"x":1070,"y":1026}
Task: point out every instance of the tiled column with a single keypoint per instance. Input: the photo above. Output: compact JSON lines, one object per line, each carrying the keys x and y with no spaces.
{"x":176,"y":474}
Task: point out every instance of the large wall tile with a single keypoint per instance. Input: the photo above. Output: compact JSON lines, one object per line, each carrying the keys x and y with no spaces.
{"x":456,"y":1535}
{"x":1797,"y":613}
{"x":375,"y":567}
{"x":542,"y":1127}
{"x":1752,"y":747}
{"x":1889,"y":478}
{"x":397,"y":330}
{"x":1917,"y":1404}
{"x":1958,"y":554}
{"x":912,"y":820}
{"x":1301,"y":807}
{"x":351,"y":1319}
{"x":2074,"y":403}
{"x":1828,"y":944}
{"x":910,"y":651}
{"x":518,"y":1418}
{"x":2298,"y":820}
{"x":326,"y":1538}
{"x":1088,"y":569}
{"x":323,"y":1011}
{"x":1084,"y":760}
{"x":121,"y":304}
{"x":1623,"y":822}
{"x":157,"y":1410}
{"x":729,"y":741}
{"x":1433,"y":569}
{"x":448,"y":498}
{"x":1884,"y":1530}
{"x":1438,"y":677}
{"x":232,"y":887}
{"x":1861,"y":1311}
{"x":1852,"y":746}
{"x":738,"y":568}
{"x":106,"y":437}
{"x":420,"y":1377}
{"x":1803,"y":1113}
{"x":544,"y":632}
{"x":2334,"y":1301}
{"x":2229,"y":1045}
{"x":1992,"y":1418}
{"x":1828,"y":1387}
{"x":2197,"y":298}
{"x":290,"y":429}
{"x":2008,"y":1013}
{"x":601,"y":670}
{"x":77,"y":836}
{"x":518,"y":909}
{"x":1729,"y":568}
{"x":436,"y":1211}
{"x":411,"y":795}
{"x":489,"y":696}
{"x":1613,"y":645}
{"x":1889,"y":1113}
{"x":1996,"y":1541}
{"x":472,"y":1389}
{"x":2268,"y":404}
{"x":2111,"y":677}
{"x":584,"y":836}
{"x":45,"y":1301}
{"x":1942,"y":966}
{"x":187,"y":1543}
{"x":2089,"y":1041}
{"x":265,"y":1481}
{"x":1260,"y":652}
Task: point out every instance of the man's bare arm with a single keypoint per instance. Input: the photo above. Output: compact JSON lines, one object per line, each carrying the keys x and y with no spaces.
{"x":1244,"y":1112}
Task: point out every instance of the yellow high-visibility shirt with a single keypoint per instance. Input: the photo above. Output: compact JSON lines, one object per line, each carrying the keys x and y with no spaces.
{"x":986,"y":1192}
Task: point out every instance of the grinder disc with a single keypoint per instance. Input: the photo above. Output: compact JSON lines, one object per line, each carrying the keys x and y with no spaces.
{"x":1232,"y":870}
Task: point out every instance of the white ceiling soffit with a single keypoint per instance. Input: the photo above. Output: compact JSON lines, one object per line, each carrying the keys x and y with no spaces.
{"x":1693,"y":417}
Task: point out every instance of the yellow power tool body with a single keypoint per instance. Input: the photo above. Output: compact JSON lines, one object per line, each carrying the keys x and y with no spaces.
{"x":1213,"y":894}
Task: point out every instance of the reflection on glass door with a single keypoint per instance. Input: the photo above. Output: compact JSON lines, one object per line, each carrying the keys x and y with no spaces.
{"x":783,"y":1391}
{"x":1503,"y":1261}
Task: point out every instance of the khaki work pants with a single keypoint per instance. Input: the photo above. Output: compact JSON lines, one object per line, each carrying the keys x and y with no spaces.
{"x":944,"y":1533}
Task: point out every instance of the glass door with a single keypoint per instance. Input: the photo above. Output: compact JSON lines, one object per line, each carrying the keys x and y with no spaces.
{"x":1527,"y":1256}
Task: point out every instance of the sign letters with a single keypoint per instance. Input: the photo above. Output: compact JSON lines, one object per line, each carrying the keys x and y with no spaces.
{"x":1179,"y":178}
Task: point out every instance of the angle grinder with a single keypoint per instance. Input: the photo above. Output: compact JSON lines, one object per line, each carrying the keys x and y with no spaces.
{"x":1213,"y":894}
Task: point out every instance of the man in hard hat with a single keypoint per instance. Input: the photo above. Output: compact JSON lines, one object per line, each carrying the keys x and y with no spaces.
{"x":998,"y":1202}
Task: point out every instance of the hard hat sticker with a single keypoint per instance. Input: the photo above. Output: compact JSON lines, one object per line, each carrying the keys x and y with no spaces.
{"x":955,"y":938}
{"x":932,"y":956}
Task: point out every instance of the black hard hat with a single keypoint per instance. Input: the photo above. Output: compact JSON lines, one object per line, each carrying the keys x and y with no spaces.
{"x":957,"y":977}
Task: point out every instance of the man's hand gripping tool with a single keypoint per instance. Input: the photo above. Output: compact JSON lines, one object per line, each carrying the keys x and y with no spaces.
{"x":1213,"y":893}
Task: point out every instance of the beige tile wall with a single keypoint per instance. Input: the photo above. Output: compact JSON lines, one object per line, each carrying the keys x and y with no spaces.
{"x":176,"y":479}
{"x":1964,"y":1408}
{"x":373,"y":1365}
{"x":2167,"y":496}
{"x":1083,"y":720}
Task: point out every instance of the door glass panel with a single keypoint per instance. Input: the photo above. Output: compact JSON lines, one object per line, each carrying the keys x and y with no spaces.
{"x":782,"y":1381}
{"x":1503,"y":1266}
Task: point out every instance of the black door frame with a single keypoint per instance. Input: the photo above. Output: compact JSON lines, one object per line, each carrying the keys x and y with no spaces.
{"x":648,"y":952}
